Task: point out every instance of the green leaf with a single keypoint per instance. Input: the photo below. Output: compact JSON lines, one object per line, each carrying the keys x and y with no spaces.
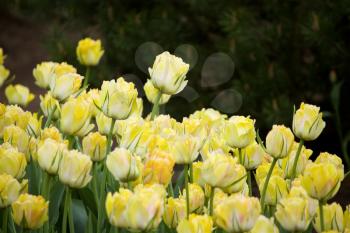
{"x":335,"y":95}
{"x":80,"y":217}
{"x":33,"y":176}
{"x":56,"y":197}
{"x":87,"y":196}
{"x":179,"y":183}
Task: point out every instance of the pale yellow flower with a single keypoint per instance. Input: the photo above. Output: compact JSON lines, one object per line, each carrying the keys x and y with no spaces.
{"x":94,"y":145}
{"x":12,"y":161}
{"x":10,"y":189}
{"x":18,"y":138}
{"x":196,"y":224}
{"x":89,"y":52}
{"x":152,"y":93}
{"x":196,"y":197}
{"x":63,"y":86}
{"x":4,"y":74}
{"x":332,"y":216}
{"x":174,"y":212}
{"x":264,"y":225}
{"x":50,"y":153}
{"x":18,"y":94}
{"x":279,"y":141}
{"x":43,"y":73}
{"x":239,"y":131}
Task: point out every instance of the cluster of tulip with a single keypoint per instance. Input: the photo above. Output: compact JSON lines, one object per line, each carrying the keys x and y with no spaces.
{"x":124,"y":172}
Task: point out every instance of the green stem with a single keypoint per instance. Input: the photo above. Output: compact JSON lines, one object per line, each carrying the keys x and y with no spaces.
{"x":187,"y":191}
{"x":320,"y":204}
{"x":211,"y":201}
{"x":5,"y":219}
{"x":101,"y":211}
{"x":77,"y":143}
{"x":155,"y":109}
{"x":70,"y":213}
{"x":170,"y":189}
{"x":87,"y":76}
{"x":263,"y":194}
{"x":65,"y":211}
{"x":240,"y":155}
{"x":295,"y":163}
{"x":191,"y":173}
{"x":249,"y":178}
{"x":46,"y":194}
{"x":49,"y":117}
{"x":94,"y":181}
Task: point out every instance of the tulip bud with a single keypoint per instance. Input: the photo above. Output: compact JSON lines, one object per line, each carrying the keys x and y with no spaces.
{"x":18,"y":94}
{"x":49,"y":105}
{"x":293,"y":214}
{"x":326,"y":157}
{"x":2,"y":56}
{"x":196,"y":197}
{"x":307,"y":122}
{"x":117,"y":98}
{"x":263,"y":169}
{"x":12,"y":161}
{"x":63,"y":68}
{"x":185,"y":148}
{"x":197,"y":176}
{"x":224,"y":172}
{"x":347,"y":218}
{"x":158,"y":168}
{"x":277,"y":188}
{"x":145,"y":208}
{"x":62,"y":86}
{"x":30,"y":211}
{"x":174,"y":212}
{"x":193,"y":127}
{"x":195,"y":224}
{"x":53,"y":133}
{"x":74,"y":169}
{"x":321,"y":187}
{"x":279,"y":141}
{"x":239,"y":131}
{"x":264,"y":225}
{"x":18,"y":138}
{"x":252,"y":156}
{"x":4,"y":74}
{"x":332,"y":216}
{"x":10,"y":189}
{"x":168,"y":73}
{"x":94,"y":145}
{"x":89,"y":52}
{"x":152,"y":93}
{"x":104,"y":124}
{"x":237,"y":213}
{"x":116,"y":205}
{"x":43,"y":73}
{"x":50,"y":153}
{"x":123,"y":165}
{"x":213,"y":119}
{"x":75,"y":117}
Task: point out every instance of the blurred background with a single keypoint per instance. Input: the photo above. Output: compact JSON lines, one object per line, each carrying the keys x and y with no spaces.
{"x":257,"y":58}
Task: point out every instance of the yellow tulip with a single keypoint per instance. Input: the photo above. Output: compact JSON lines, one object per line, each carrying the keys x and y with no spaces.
{"x":13,"y":115}
{"x":224,"y":172}
{"x":264,"y":225}
{"x":10,"y":189}
{"x":4,"y":74}
{"x":307,"y":122}
{"x":237,"y":213}
{"x":263,"y":169}
{"x":193,"y":127}
{"x":197,"y":176}
{"x":321,"y":181}
{"x":12,"y":161}
{"x":347,"y":218}
{"x":239,"y":131}
{"x":89,"y":52}
{"x":18,"y":94}
{"x":195,"y":224}
{"x":158,"y":168}
{"x":18,"y":138}
{"x":300,"y":192}
{"x":214,"y":145}
{"x":93,"y":96}
{"x":43,"y":73}
{"x":30,"y":211}
{"x":196,"y":197}
{"x":2,"y":56}
{"x":174,"y":212}
{"x":94,"y":145}
{"x":145,"y":208}
{"x":63,"y":68}
{"x":75,"y":117}
{"x":185,"y":148}
{"x":212,"y":119}
{"x":293,"y":214}
{"x":117,"y":98}
{"x":104,"y":124}
{"x":168,"y":73}
{"x":137,"y":108}
{"x":53,"y":133}
{"x":49,"y":106}
{"x":152,"y":93}
{"x":279,"y":141}
{"x":74,"y":169}
{"x":62,"y":86}
{"x":326,"y":157}
{"x":116,"y":205}
{"x":277,"y":188}
{"x":123,"y":165}
{"x":332,"y":216}
{"x":50,"y":153}
{"x":252,"y":156}
{"x":219,"y":197}
{"x":162,"y":122}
